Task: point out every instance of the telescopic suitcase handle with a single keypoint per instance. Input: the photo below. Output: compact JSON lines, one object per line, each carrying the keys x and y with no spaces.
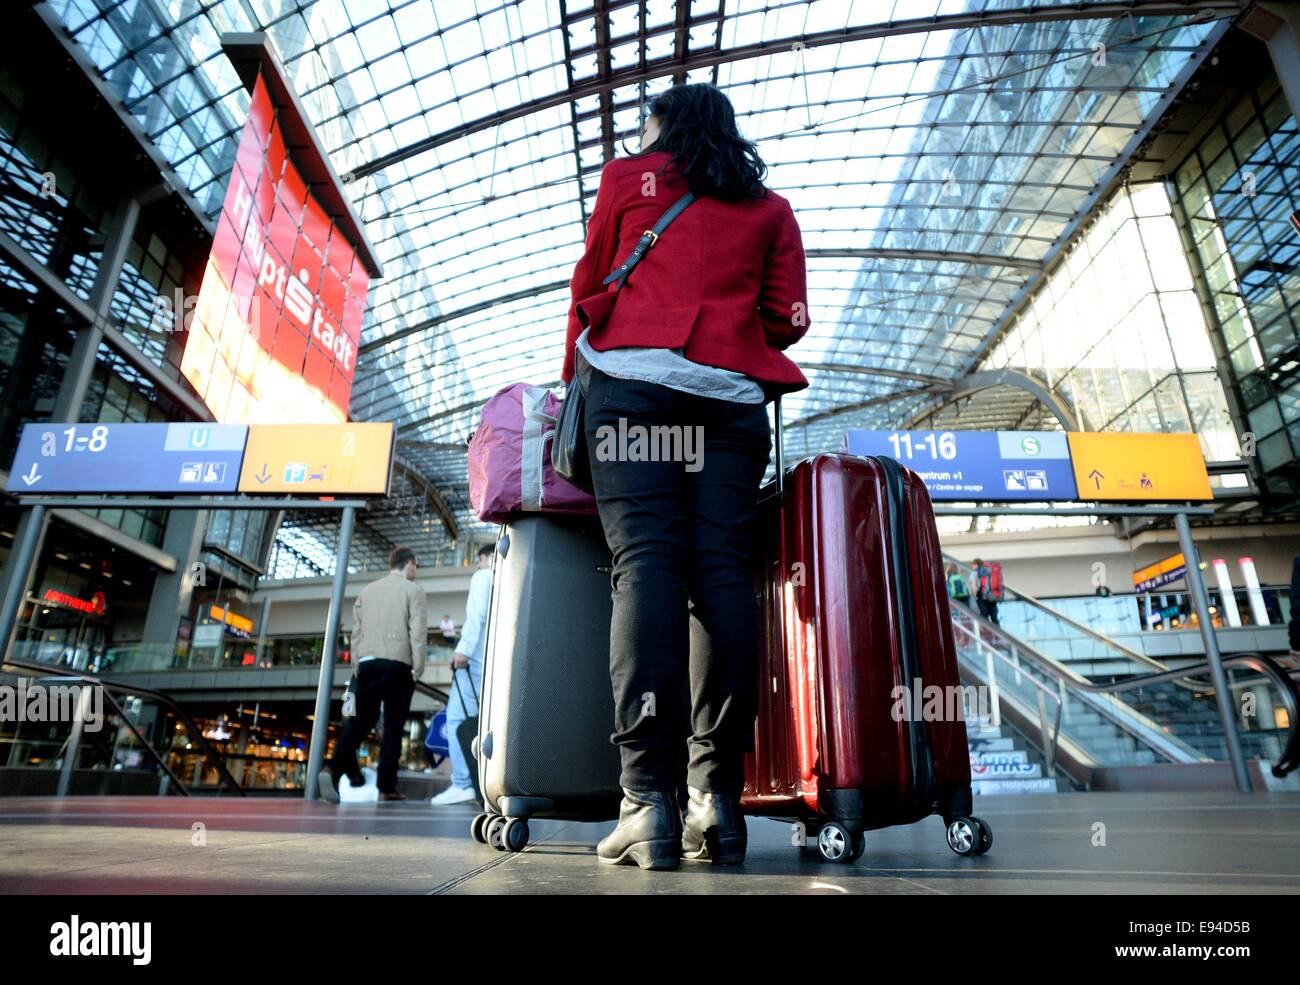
{"x":780,"y":450}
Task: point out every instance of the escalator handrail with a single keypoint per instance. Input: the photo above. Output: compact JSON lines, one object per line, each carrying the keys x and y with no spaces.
{"x":1073,"y":623}
{"x":1263,"y":665}
{"x":209,"y":751}
{"x":1126,"y":718}
{"x":1159,"y":666}
{"x":432,"y":691}
{"x":158,"y":757}
{"x":1060,"y":742}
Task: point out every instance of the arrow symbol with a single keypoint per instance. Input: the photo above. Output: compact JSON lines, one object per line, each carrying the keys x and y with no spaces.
{"x":1096,"y":478}
{"x":263,"y":475}
{"x":32,"y":475}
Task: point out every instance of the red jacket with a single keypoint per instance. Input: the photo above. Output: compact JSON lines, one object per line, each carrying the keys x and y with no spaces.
{"x":726,"y":282}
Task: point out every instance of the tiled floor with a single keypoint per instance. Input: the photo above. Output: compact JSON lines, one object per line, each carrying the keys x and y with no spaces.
{"x":1153,"y":843}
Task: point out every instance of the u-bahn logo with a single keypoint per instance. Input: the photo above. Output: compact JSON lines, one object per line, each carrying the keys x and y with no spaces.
{"x":199,"y":437}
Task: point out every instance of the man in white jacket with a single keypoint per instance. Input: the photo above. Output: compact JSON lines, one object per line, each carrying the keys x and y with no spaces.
{"x":467,"y":679}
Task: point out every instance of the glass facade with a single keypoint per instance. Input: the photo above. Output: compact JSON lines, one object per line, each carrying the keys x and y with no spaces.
{"x":931,"y":171}
{"x":1237,"y":190}
{"x":1117,"y":330}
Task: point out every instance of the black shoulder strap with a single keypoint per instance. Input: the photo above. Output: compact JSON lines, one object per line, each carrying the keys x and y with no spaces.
{"x":648,"y":239}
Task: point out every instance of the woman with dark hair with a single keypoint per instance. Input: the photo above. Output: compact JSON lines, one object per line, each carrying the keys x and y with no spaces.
{"x":677,"y":362}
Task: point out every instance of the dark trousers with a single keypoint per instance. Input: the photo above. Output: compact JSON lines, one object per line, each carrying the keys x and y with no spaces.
{"x":380,"y":683}
{"x":988,"y":609}
{"x":684,"y":637}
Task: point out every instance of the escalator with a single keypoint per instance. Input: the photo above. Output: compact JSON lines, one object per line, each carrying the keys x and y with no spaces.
{"x":122,"y":739}
{"x":131,"y":740}
{"x":1147,"y":724}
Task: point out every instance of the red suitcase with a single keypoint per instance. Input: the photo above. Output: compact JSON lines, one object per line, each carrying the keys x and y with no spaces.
{"x":854,"y":607}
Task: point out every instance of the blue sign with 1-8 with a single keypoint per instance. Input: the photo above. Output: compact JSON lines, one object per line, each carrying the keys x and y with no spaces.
{"x":128,"y":458}
{"x":978,"y":465}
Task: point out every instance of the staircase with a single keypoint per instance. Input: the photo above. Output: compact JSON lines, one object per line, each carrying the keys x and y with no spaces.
{"x":999,"y":766}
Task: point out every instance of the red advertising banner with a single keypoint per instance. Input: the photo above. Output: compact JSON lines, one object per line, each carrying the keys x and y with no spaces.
{"x":277,"y":325}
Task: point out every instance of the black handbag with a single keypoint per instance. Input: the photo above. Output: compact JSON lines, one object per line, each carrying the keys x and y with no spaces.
{"x":569,"y":448}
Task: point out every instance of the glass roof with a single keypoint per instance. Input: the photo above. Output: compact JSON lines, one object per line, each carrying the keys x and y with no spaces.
{"x":935,"y":154}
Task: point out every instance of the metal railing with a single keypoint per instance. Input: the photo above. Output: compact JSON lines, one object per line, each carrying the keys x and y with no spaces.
{"x":1046,"y":675}
{"x":209,"y":752}
{"x":998,"y":656}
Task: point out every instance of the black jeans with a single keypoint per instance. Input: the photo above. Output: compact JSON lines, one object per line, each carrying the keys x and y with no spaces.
{"x":684,"y":639}
{"x":379,"y":682}
{"x":988,"y":609}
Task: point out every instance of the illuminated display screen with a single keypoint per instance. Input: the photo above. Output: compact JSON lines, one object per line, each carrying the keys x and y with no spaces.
{"x":277,"y":324}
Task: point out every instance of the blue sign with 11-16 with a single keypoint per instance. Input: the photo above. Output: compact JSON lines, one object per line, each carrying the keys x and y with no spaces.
{"x":978,"y":465}
{"x":128,"y":458}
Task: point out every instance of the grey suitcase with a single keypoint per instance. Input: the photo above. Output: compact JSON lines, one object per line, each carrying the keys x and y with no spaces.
{"x":544,"y":745}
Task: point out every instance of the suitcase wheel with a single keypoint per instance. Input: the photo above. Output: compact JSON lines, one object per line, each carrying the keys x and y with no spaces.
{"x":478,"y":828}
{"x":836,"y":844}
{"x":514,"y":836}
{"x":969,"y":836}
{"x":494,"y":828}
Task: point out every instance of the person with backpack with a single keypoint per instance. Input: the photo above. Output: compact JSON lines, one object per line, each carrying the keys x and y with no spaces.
{"x":988,"y":589}
{"x":957,"y":588}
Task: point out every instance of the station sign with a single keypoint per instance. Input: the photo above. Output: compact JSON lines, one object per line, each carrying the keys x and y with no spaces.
{"x":127,"y":458}
{"x":203,"y":459}
{"x":978,"y":465}
{"x":241,"y":625}
{"x":1111,"y":465}
{"x":1045,"y":466}
{"x":96,"y":605}
{"x":1162,"y":572}
{"x":318,"y":459}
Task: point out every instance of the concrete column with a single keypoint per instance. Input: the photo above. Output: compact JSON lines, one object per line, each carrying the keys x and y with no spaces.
{"x":81,"y":365}
{"x":262,"y":621}
{"x":1258,"y":610}
{"x":173,"y":591}
{"x":1278,"y":26}
{"x":1227,"y":598}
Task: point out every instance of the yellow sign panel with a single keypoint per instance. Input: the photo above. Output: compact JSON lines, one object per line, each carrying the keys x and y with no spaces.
{"x":1112,"y":465}
{"x":1159,"y":573}
{"x":317,"y":459}
{"x":233,"y":619}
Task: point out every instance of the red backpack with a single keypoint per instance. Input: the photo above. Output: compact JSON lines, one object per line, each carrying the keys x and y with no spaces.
{"x":993,"y":590}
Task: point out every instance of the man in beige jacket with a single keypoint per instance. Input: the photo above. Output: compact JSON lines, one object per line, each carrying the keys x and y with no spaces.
{"x":390,"y":632}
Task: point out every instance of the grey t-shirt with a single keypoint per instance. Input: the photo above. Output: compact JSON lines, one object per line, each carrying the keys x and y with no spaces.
{"x":670,"y":368}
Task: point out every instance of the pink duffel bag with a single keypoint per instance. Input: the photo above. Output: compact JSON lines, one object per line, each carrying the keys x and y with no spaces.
{"x":510,"y":458}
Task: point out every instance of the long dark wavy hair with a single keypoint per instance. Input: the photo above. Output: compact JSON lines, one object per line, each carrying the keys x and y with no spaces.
{"x":697,"y":126}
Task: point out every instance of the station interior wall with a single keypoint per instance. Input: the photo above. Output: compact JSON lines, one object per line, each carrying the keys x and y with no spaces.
{"x":1057,"y":563}
{"x":1045,"y":563}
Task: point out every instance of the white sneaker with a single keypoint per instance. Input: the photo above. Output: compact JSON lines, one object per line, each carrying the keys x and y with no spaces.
{"x":453,"y":795}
